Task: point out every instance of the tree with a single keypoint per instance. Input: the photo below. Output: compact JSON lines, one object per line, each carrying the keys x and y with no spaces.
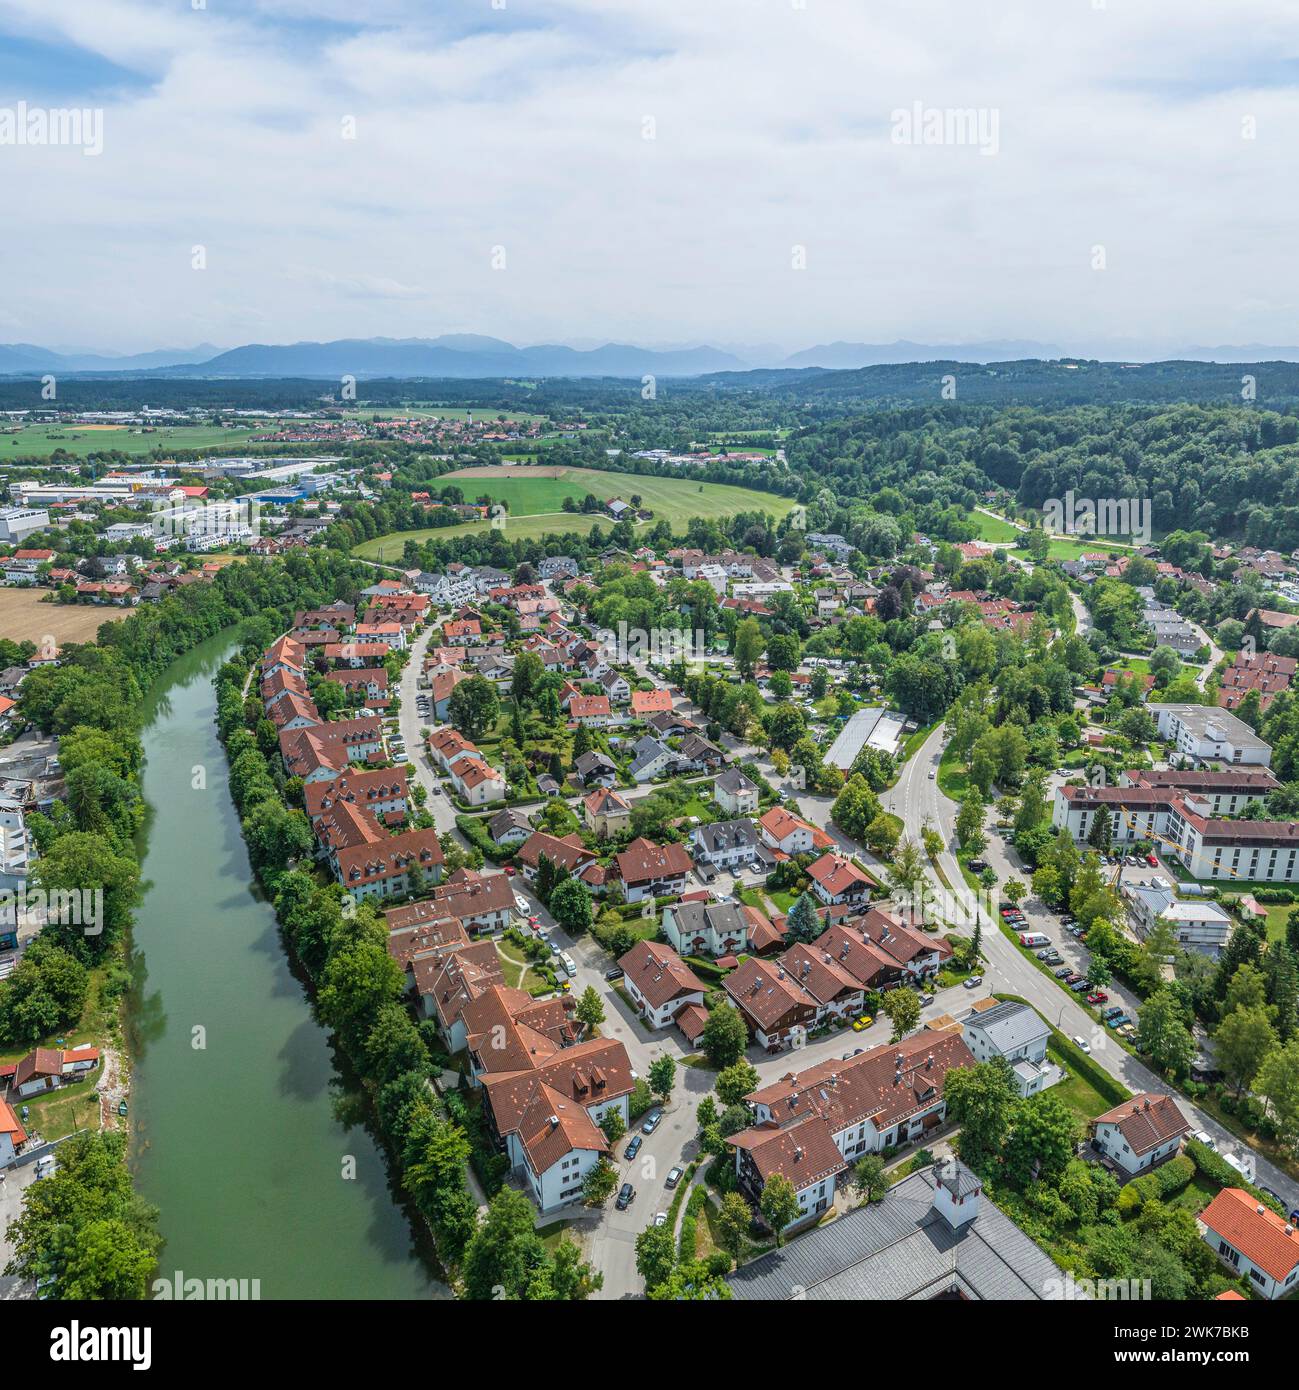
{"x":474,"y":706}
{"x":656,"y":1255}
{"x":969,"y":822}
{"x":1277,"y":1081}
{"x":870,"y":1178}
{"x":1162,"y":1032}
{"x":1098,"y":972}
{"x":1243,"y":1039}
{"x":736,"y":1081}
{"x":734,"y":1221}
{"x":600,"y":1183}
{"x":662,"y":1076}
{"x":902,"y":1006}
{"x":590,"y":1009}
{"x":570,"y":904}
{"x":783,"y":653}
{"x":725,"y":1037}
{"x":1043,"y":1137}
{"x":779,"y":1204}
{"x":855,"y":807}
{"x":747,"y":646}
{"x":882,"y":835}
{"x":803,"y":923}
{"x":981,"y":1099}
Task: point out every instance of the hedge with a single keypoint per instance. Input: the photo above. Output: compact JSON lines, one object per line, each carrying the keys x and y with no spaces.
{"x":1217,"y":1169}
{"x":1159,"y":1184}
{"x":688,"y":1245}
{"x":474,"y":829}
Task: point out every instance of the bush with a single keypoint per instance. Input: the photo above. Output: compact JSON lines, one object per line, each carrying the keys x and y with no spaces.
{"x":474,"y":829}
{"x":1165,"y":1180}
{"x":1217,"y":1169}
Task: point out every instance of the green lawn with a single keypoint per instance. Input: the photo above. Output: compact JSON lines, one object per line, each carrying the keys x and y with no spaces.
{"x":81,"y":442}
{"x":535,"y":501}
{"x":953,"y":778}
{"x":62,"y":1111}
{"x":994,"y":529}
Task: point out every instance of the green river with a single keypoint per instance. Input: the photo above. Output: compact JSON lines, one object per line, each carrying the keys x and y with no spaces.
{"x":235,"y":1139}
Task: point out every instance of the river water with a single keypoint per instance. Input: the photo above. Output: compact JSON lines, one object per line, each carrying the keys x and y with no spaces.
{"x":233,"y":1131}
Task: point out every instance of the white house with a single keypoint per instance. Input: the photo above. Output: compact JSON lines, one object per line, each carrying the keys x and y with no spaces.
{"x":1254,"y":1241}
{"x":1015,"y":1033}
{"x":1140,"y":1132}
{"x":735,"y":794}
{"x":660,"y":983}
{"x":1205,"y":733}
{"x":728,"y":844}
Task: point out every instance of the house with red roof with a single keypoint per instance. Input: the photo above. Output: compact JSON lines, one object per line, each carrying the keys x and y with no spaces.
{"x":1253,"y":1241}
{"x":1141,"y":1132}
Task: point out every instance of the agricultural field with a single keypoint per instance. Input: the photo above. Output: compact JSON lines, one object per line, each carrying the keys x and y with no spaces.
{"x":84,"y":440}
{"x":535,"y":497}
{"x":24,"y":618}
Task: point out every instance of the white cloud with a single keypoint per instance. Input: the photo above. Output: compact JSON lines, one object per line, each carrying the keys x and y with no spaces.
{"x":522,"y":128}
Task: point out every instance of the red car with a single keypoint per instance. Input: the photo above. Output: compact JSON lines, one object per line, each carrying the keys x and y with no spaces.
{"x":1097,"y":996}
{"x":1152,"y":861}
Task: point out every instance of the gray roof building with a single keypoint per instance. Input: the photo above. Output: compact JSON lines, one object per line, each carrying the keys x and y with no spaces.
{"x":935,"y":1236}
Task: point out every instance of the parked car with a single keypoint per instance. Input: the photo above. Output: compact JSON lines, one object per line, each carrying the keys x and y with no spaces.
{"x":974,"y":982}
{"x":660,"y":1218}
{"x":1152,"y":861}
{"x":1116,"y":1021}
{"x":931,"y":775}
{"x":633,"y":1146}
{"x":652,"y":1121}
{"x":1081,"y":1043}
{"x":674,"y":1176}
{"x":1204,"y":1137}
{"x":1127,"y":1030}
{"x":625,"y":1195}
{"x":614,"y":972}
{"x":1063,"y":971}
{"x":859,"y":1024}
{"x":524,"y":906}
{"x":1079,"y":985}
{"x":926,"y":1000}
{"x":569,"y":964}
{"x":1097,"y":996}
{"x":1113,"y":1011}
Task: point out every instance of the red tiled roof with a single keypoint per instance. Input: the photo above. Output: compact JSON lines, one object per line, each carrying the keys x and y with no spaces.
{"x":1262,"y":1236}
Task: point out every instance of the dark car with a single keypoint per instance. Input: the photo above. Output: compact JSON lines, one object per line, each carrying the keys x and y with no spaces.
{"x":625,"y":1194}
{"x":674,"y":1176}
{"x":1063,"y":971}
{"x":613,"y":973}
{"x":1079,"y":985}
{"x":633,"y":1148}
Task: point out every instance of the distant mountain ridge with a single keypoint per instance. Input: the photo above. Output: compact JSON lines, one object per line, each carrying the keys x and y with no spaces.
{"x":477,"y":356}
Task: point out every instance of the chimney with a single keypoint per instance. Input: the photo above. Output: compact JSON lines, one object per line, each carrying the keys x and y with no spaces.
{"x":929,"y":1062}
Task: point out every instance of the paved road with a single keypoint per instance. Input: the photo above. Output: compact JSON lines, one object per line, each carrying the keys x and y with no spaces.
{"x":916,"y":798}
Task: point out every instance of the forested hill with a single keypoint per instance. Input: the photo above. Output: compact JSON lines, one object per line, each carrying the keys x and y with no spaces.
{"x":1029,"y":382}
{"x":1226,"y":471}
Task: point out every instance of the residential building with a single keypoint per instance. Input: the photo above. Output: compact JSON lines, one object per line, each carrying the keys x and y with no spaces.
{"x":509,"y":827}
{"x":777,"y":1010}
{"x":606,"y":813}
{"x":1140,"y":1132}
{"x":706,"y":929}
{"x":735,"y":794}
{"x":828,"y":1115}
{"x":659,"y":983}
{"x":836,"y":879}
{"x":1253,"y":1241}
{"x":648,"y":870}
{"x":1016,"y":1034}
{"x":650,"y":759}
{"x":1197,"y":924}
{"x":1206,"y":734}
{"x":733,"y":845}
{"x":547,"y":1118}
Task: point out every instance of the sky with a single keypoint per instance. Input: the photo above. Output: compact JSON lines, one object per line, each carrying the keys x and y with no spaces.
{"x":734,"y":172}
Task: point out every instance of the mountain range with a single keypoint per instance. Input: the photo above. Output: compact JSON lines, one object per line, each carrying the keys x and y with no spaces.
{"x":473,"y":356}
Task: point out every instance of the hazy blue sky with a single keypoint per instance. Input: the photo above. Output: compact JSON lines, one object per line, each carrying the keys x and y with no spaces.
{"x":519,"y":132}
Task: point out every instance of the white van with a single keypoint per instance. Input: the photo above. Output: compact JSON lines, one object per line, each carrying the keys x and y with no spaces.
{"x":1034,"y":938}
{"x":569,"y":964}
